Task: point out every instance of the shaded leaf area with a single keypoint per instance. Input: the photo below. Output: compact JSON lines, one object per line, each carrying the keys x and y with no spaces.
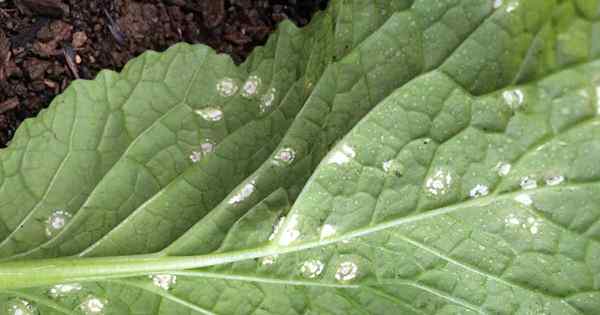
{"x":413,"y":157}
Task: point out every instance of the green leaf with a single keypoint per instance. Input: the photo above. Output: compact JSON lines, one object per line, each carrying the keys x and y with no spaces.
{"x":393,"y":157}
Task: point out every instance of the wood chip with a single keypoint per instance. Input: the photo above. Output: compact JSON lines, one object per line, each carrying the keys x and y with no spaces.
{"x":79,"y":39}
{"x":69,"y":57}
{"x":9,"y":104}
{"x":51,"y":8}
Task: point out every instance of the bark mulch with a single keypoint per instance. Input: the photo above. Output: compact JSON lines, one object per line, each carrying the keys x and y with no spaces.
{"x":45,"y":44}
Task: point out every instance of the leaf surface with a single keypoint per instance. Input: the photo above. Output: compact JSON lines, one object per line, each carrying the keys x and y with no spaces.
{"x":412,"y":157}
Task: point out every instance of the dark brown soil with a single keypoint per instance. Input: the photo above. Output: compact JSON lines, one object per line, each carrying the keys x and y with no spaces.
{"x":45,"y":44}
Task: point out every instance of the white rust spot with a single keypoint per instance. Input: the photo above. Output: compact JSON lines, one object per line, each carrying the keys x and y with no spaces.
{"x":285,"y":155}
{"x":61,"y":290}
{"x":393,"y":167}
{"x":503,"y":168}
{"x":20,"y":306}
{"x":244,"y":193}
{"x":205,"y":148}
{"x":251,"y":86}
{"x":528,"y":183}
{"x":346,"y":271}
{"x":554,"y":180}
{"x":513,"y":5}
{"x":533,"y":224}
{"x":513,"y":98}
{"x":342,"y":155}
{"x":57,"y":220}
{"x":524,"y":199}
{"x":92,"y":305}
{"x":266,"y":101}
{"x":227,"y":87}
{"x":327,"y":230}
{"x":439,"y":183}
{"x":479,"y":191}
{"x":312,"y":268}
{"x":512,"y":219}
{"x":164,"y":281}
{"x":210,"y":113}
{"x":290,"y":232}
{"x":268,"y":260}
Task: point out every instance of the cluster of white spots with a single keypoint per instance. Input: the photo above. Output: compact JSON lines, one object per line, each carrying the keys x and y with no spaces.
{"x":439,"y":183}
{"x":244,"y":193}
{"x":479,"y":191}
{"x":528,"y":183}
{"x":387,"y":165}
{"x":348,"y":150}
{"x":205,"y":148}
{"x":312,"y":268}
{"x":554,"y":180}
{"x":163,"y":281}
{"x":534,"y":225}
{"x":393,"y":167}
{"x":512,"y":6}
{"x":210,"y":113}
{"x":524,"y":199}
{"x":328,"y":230}
{"x":285,"y":155}
{"x":346,"y":271}
{"x":251,"y":86}
{"x":61,"y":290}
{"x":531,"y":224}
{"x":268,"y":260}
{"x":503,"y":168}
{"x":497,"y":3}
{"x":92,"y":305}
{"x":291,"y":232}
{"x":266,"y":101}
{"x":20,"y":307}
{"x":196,"y":156}
{"x":512,"y":219}
{"x":341,"y":156}
{"x":513,"y":98}
{"x":227,"y":87}
{"x":56,"y":222}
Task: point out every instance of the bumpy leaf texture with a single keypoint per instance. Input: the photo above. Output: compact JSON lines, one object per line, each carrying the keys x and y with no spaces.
{"x":394,"y":157}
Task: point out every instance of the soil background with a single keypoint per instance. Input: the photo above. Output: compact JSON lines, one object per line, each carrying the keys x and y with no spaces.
{"x":45,"y":44}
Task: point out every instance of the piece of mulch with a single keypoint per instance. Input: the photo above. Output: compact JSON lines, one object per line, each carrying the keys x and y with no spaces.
{"x":45,"y":44}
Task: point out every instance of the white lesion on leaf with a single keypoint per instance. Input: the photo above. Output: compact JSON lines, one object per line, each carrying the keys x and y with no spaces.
{"x":57,"y":220}
{"x":251,"y":86}
{"x":210,"y":113}
{"x":19,"y":306}
{"x":246,"y":191}
{"x":61,"y":290}
{"x":290,"y":232}
{"x":227,"y":87}
{"x":93,"y":305}
{"x":439,"y":183}
{"x":342,"y":155}
{"x":163,"y":281}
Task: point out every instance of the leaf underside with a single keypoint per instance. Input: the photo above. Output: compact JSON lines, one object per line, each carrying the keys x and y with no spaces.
{"x":393,"y":157}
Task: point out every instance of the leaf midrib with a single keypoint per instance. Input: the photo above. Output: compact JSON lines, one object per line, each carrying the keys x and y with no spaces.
{"x":65,"y":270}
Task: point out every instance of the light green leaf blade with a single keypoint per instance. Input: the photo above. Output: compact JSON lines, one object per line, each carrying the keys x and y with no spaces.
{"x":463,"y":182}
